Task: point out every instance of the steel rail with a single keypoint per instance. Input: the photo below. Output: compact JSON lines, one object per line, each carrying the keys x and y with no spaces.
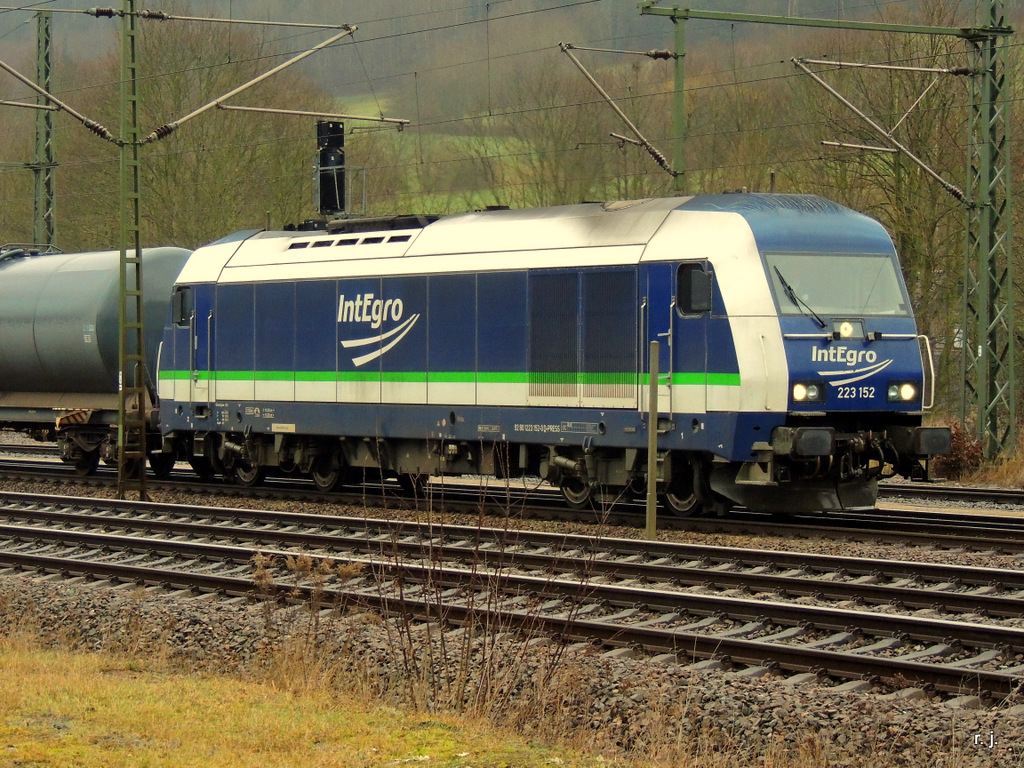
{"x":997,"y":533}
{"x":982,"y":635}
{"x":792,"y":658}
{"x":1009,"y":496}
{"x":804,"y":578}
{"x":74,"y":510}
{"x":658,"y":559}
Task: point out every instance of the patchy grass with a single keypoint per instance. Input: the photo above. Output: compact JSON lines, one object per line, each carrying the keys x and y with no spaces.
{"x":1006,"y":471}
{"x":966,"y":462}
{"x":93,"y":710}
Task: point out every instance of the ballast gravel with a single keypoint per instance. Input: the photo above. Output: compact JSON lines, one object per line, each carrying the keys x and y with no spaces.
{"x":624,"y":704}
{"x":619,"y":702}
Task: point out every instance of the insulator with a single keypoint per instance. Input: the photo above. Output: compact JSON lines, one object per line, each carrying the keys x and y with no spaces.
{"x":955,"y":191}
{"x":99,"y":130}
{"x":659,"y":158}
{"x":162,"y":132}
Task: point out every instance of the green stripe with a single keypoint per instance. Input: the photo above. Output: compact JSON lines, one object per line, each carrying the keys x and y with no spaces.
{"x":459,"y":377}
{"x":272,"y":376}
{"x":492,"y":377}
{"x":174,"y":375}
{"x":723,"y":379}
{"x":314,"y":376}
{"x":397,"y":377}
{"x":706,"y":379}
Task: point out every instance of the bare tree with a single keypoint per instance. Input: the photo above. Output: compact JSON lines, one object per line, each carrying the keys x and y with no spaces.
{"x":543,"y":149}
{"x":221,"y":172}
{"x":926,"y":113}
{"x":17,"y":129}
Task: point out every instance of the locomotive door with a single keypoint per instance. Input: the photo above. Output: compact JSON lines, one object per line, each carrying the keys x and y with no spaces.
{"x":201,"y":345}
{"x":678,"y":307}
{"x":660,"y":317}
{"x":691,"y":312}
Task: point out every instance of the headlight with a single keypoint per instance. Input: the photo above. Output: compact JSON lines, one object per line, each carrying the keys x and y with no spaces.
{"x":903,"y":391}
{"x":847,"y":329}
{"x":808,"y":392}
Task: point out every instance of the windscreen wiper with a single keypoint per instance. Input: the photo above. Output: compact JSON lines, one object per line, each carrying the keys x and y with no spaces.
{"x":802,"y":305}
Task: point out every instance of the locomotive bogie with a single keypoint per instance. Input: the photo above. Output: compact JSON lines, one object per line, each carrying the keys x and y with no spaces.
{"x":332,"y":462}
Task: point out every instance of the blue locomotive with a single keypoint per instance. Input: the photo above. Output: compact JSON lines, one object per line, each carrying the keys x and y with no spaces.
{"x":506,"y":343}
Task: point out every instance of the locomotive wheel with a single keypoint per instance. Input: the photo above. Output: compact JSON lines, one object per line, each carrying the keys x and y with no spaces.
{"x":578,"y":494}
{"x":202,"y":467}
{"x":87,"y":463}
{"x":720,"y":506}
{"x":248,"y":474}
{"x":680,"y":504}
{"x":326,"y":474}
{"x":684,"y":497}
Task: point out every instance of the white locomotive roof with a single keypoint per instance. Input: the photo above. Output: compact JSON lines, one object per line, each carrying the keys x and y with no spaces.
{"x":568,"y":226}
{"x":589,"y":233}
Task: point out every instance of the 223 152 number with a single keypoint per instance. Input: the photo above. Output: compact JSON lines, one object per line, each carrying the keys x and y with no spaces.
{"x":849,"y":393}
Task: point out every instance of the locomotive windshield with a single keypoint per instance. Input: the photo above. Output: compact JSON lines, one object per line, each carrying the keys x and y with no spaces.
{"x":836,"y":284}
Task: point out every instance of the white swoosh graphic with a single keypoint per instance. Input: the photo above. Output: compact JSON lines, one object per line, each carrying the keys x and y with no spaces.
{"x":374,"y":339}
{"x":862,"y":373}
{"x":401,"y":330}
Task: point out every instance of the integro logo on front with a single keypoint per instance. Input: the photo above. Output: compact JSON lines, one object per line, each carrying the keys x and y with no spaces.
{"x":366,"y":308}
{"x":849,"y":357}
{"x":841,"y":354}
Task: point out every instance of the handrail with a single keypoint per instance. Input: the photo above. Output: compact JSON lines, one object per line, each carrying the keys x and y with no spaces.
{"x":931,"y":373}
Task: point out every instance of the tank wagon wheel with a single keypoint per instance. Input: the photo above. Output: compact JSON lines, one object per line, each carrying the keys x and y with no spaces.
{"x":578,"y":495}
{"x":327,"y":474}
{"x":413,"y":485}
{"x":133,"y":468}
{"x":87,"y":463}
{"x":161,"y":464}
{"x":247,"y":474}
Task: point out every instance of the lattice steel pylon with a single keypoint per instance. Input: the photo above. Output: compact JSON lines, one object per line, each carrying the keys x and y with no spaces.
{"x":132,"y":384}
{"x":989,"y":373}
{"x":42,"y":163}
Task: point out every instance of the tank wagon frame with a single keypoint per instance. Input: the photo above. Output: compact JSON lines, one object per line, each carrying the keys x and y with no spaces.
{"x":510,"y":343}
{"x":59,"y":344}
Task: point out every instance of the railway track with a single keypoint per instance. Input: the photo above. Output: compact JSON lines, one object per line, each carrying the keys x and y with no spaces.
{"x":945,"y":492}
{"x":837,"y":620}
{"x":996,"y":531}
{"x":41,"y":457}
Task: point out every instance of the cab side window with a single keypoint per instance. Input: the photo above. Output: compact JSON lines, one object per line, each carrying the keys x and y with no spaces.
{"x":181,"y":306}
{"x":693,"y":289}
